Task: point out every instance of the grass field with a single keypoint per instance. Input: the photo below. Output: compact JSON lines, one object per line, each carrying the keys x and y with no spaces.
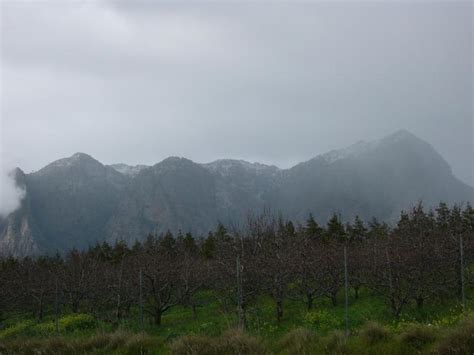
{"x":436,"y":328}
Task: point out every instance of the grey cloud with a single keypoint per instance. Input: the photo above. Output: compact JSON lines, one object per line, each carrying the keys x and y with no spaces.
{"x":275,"y":82}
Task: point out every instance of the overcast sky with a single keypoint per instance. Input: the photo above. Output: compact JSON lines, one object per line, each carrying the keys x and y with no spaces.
{"x":274,"y":82}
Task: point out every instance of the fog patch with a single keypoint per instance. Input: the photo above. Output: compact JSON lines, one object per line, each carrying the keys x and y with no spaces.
{"x":10,"y":193}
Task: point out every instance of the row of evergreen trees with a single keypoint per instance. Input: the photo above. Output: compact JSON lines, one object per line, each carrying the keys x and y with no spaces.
{"x":426,"y":257}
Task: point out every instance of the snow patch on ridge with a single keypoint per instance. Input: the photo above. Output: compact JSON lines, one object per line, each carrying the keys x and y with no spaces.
{"x":127,"y":169}
{"x":224,"y":166}
{"x":352,"y":151}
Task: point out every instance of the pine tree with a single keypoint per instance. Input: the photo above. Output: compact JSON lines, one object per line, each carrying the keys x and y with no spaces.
{"x":357,"y":231}
{"x":312,"y":229}
{"x":189,"y":244}
{"x":167,"y":242}
{"x":335,"y":229}
{"x":208,"y":248}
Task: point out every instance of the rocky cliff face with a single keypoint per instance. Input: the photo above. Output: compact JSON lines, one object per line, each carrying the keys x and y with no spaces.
{"x":176,"y":194}
{"x":18,"y":231}
{"x":77,"y":201}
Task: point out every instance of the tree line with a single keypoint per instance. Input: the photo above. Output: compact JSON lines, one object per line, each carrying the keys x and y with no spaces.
{"x":426,"y":257}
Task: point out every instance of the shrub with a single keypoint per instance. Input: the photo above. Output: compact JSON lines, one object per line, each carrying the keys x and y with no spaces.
{"x":17,"y":329}
{"x":103,"y":341}
{"x":74,"y":322}
{"x":193,"y":345}
{"x":417,"y":335}
{"x":237,"y":342}
{"x":97,"y":341}
{"x":137,"y":343}
{"x":298,"y":341}
{"x":373,"y":333}
{"x":25,"y":347}
{"x":460,"y":340}
{"x":231,"y":342}
{"x":69,"y":323}
{"x":45,"y":328}
{"x":336,"y":343}
{"x":119,"y":342}
{"x":322,"y":320}
{"x":56,"y":345}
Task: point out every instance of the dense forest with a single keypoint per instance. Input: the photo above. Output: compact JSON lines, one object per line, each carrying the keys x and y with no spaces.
{"x":424,"y":259}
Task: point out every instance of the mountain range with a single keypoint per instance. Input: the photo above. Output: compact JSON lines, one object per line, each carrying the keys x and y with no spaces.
{"x":78,"y":201}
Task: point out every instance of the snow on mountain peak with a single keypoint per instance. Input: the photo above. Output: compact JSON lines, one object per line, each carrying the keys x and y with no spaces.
{"x":361,"y":147}
{"x":350,"y":152}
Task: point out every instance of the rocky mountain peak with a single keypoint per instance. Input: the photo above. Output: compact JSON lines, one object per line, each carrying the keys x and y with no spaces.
{"x":399,"y":141}
{"x":80,"y":161}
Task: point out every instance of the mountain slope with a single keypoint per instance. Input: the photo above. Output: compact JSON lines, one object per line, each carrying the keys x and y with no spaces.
{"x":241,"y":187}
{"x":72,"y":199}
{"x":77,"y":201}
{"x":176,"y":194}
{"x":370,"y":179}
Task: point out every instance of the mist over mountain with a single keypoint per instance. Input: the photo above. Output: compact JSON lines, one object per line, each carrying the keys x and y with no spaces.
{"x":78,"y":201}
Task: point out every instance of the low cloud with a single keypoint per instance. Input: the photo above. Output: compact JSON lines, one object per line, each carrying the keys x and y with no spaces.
{"x":10,"y":193}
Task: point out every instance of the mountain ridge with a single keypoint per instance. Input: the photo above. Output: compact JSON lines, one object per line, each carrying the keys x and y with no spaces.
{"x":77,"y":201}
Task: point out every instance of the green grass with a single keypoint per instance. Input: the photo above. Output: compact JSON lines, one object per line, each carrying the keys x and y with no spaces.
{"x":373,"y":330}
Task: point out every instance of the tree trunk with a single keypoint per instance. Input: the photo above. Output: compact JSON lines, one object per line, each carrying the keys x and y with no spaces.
{"x":396,"y":309}
{"x":157,"y":317}
{"x":194,"y":311}
{"x":240,"y":295}
{"x":40,"y":310}
{"x":419,"y":302}
{"x":461,"y":274}
{"x":309,"y":302}
{"x":118,"y":312}
{"x":119,"y":299}
{"x":279,"y":310}
{"x":75,"y":306}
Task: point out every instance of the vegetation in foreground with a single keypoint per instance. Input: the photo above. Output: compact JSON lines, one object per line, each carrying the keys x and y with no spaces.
{"x":438,"y":329}
{"x":409,"y":291}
